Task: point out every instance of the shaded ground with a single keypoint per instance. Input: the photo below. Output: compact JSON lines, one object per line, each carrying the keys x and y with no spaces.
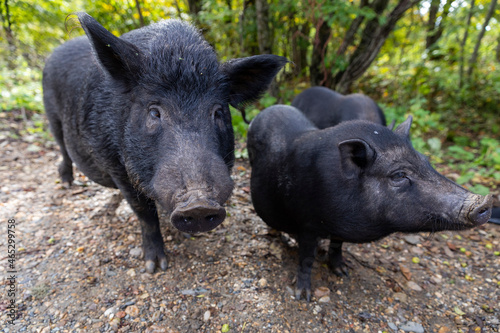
{"x":78,"y":269}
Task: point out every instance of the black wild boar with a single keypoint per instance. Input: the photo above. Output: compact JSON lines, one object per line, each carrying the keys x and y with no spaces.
{"x":355,"y":182}
{"x":495,"y":215}
{"x":148,"y":113}
{"x":326,"y":108}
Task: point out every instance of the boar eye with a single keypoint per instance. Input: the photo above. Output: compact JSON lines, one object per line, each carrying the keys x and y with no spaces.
{"x":218,"y":115}
{"x":399,"y":178}
{"x":154,"y":112}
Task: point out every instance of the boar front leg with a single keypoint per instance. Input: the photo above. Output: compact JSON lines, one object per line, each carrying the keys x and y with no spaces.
{"x":152,"y":241}
{"x":335,"y":259}
{"x":307,"y":249}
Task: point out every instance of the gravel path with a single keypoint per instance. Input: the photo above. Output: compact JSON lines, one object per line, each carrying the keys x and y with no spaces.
{"x":78,"y":268}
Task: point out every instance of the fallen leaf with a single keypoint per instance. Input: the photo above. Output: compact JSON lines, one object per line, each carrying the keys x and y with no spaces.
{"x":451,"y":246}
{"x":458,"y":311}
{"x":405,"y":271}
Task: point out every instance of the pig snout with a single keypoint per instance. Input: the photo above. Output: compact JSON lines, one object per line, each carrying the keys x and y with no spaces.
{"x":197,"y":215}
{"x":478,"y":209}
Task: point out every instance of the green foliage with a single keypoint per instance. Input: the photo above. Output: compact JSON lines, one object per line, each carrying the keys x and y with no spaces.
{"x":240,"y":127}
{"x":20,"y":87}
{"x":457,"y":127}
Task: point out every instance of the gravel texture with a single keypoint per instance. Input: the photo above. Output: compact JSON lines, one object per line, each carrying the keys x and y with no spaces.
{"x":79,"y":269}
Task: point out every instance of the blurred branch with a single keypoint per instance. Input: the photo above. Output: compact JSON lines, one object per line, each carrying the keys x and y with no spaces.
{"x":475,"y":53}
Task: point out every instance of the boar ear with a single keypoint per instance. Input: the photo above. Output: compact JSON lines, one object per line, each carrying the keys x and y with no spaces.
{"x":250,"y":77}
{"x":120,"y":58}
{"x":355,"y":155}
{"x":403,"y":129}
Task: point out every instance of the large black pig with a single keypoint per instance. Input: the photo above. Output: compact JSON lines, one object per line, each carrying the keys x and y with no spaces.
{"x":355,"y":182}
{"x":148,"y":113}
{"x":326,"y":108}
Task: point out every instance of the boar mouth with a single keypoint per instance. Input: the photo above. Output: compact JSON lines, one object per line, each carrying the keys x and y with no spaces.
{"x":197,"y":214}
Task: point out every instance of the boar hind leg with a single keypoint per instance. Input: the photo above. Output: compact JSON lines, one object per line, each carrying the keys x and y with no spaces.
{"x":66,"y":166}
{"x":307,"y":249}
{"x":152,"y":241}
{"x":335,"y":259}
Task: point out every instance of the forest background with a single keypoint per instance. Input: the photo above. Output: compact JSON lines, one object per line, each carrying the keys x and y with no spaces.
{"x":436,"y":60}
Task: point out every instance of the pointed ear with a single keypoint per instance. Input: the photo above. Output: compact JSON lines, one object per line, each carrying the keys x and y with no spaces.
{"x":403,"y":129}
{"x":250,"y":77}
{"x":355,"y":155}
{"x":119,"y":58}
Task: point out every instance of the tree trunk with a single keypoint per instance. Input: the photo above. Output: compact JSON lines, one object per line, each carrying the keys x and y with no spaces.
{"x":317,"y":70}
{"x":7,"y":24}
{"x":462,"y":44}
{"x":248,"y":44}
{"x":434,"y":28}
{"x":299,"y":44}
{"x":473,"y":58}
{"x":373,"y":37}
{"x":178,"y":8}
{"x":194,"y":9}
{"x":138,"y":6}
{"x":353,"y":29}
{"x":497,"y":55}
{"x":263,"y":32}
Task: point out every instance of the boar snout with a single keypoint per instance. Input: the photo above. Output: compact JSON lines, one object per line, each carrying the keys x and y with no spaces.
{"x":198,"y":215}
{"x":478,"y":208}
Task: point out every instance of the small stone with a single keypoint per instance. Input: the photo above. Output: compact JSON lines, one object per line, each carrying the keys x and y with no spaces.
{"x":110,"y":313}
{"x":321,"y":291}
{"x":437,"y":279}
{"x":412,"y":327}
{"x":400,"y":297}
{"x":110,"y":273}
{"x":412,"y":239}
{"x":262,"y":283}
{"x":33,"y":148}
{"x":131,"y":272}
{"x":120,"y":314}
{"x":136,"y":252}
{"x":417,"y":250}
{"x":156,"y":316}
{"x":444,"y":329}
{"x":392,"y":326}
{"x":324,"y":299}
{"x":206,"y":316}
{"x":115,"y":322}
{"x":156,"y":329}
{"x":448,"y":252}
{"x":132,"y":311}
{"x":413,"y":286}
{"x":317,"y":309}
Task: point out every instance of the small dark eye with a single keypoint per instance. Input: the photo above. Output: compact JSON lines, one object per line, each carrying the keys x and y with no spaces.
{"x":217,"y":115}
{"x":155,"y":113}
{"x":398,"y":176}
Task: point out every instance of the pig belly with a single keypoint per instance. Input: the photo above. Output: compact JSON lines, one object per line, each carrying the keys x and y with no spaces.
{"x":87,"y":164}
